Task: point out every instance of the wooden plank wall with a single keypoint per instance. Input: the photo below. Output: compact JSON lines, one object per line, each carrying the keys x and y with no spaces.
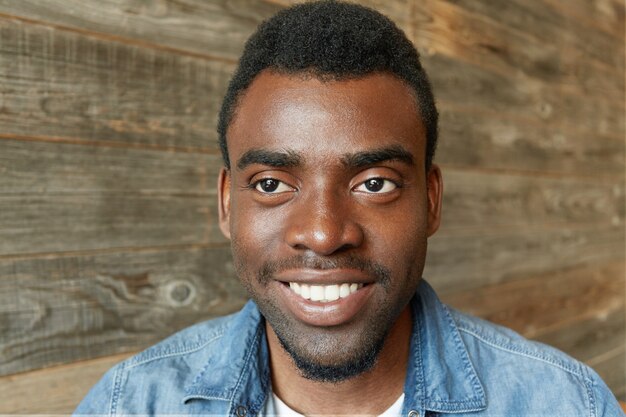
{"x":108,"y":156}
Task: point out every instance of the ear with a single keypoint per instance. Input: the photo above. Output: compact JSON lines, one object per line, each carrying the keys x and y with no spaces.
{"x":223,"y":201}
{"x":434,"y":189}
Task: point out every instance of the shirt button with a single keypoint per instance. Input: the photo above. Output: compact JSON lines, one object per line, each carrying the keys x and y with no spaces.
{"x":413,"y":413}
{"x":241,"y":411}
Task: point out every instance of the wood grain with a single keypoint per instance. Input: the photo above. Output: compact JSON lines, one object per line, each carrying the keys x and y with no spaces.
{"x":216,"y":28}
{"x":590,"y":337}
{"x":578,"y":300}
{"x":470,"y":88}
{"x":542,"y":36}
{"x":465,"y":261}
{"x":62,"y":387}
{"x":65,"y":197}
{"x":63,"y":309}
{"x":485,"y":200}
{"x":470,"y":137}
{"x":58,"y":84}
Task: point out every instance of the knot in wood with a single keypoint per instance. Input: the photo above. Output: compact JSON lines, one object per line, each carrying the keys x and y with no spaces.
{"x":180,"y":293}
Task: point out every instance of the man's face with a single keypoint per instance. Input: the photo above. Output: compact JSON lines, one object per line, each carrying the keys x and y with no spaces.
{"x":328,"y":207}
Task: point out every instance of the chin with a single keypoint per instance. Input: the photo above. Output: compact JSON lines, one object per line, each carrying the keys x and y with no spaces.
{"x":331,"y":354}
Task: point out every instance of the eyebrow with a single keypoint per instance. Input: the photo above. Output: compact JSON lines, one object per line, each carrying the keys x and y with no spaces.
{"x":376,"y":156}
{"x":278,"y":159}
{"x":282,"y":159}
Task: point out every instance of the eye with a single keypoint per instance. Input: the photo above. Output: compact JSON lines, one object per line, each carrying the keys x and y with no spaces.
{"x":271,"y":186}
{"x":376,"y":186}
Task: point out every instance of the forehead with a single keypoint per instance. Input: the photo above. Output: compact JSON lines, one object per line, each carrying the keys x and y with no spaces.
{"x":322,"y":118}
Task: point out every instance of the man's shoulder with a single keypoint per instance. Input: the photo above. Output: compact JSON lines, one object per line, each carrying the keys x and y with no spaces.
{"x":190,"y":341}
{"x":159,"y":374}
{"x":507,"y":362}
{"x":481,"y":336}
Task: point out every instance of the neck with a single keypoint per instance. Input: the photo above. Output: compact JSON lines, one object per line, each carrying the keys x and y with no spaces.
{"x":381,"y":386}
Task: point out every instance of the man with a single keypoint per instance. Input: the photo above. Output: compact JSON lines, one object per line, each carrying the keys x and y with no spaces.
{"x":328,"y":195}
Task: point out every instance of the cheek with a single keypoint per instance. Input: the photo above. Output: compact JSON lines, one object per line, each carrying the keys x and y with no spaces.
{"x":254,"y":233}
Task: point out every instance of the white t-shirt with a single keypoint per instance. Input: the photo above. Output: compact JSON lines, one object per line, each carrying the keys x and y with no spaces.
{"x":274,"y":406}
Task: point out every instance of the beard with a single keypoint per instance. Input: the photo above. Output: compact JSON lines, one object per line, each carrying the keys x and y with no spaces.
{"x":331,"y":354}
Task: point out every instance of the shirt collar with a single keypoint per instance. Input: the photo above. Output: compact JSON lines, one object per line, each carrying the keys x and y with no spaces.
{"x":238,"y":372}
{"x":440,"y":375}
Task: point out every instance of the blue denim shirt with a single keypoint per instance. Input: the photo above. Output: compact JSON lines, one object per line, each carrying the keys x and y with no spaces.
{"x":459,"y":365}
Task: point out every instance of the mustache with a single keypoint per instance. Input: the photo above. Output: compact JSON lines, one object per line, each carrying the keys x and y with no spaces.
{"x":374,"y":269}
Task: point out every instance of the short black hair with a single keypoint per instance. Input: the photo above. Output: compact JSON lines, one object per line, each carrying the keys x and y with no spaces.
{"x":331,"y":40}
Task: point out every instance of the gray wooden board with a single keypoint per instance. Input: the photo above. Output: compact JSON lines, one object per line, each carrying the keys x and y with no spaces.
{"x":604,"y":15}
{"x":590,"y":338}
{"x":58,"y":197}
{"x":487,"y":199}
{"x":39,"y":168}
{"x":473,"y":138}
{"x":560,"y":21}
{"x":216,"y":28}
{"x":462,"y":261}
{"x":61,"y":84}
{"x":462,"y":85}
{"x":545,"y":43}
{"x":60,"y":310}
{"x":539,"y":306}
{"x":58,"y":390}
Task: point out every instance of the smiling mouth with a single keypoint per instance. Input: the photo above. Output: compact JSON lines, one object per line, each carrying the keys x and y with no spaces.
{"x":324,"y":293}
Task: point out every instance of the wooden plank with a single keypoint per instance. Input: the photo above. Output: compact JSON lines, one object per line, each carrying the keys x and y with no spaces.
{"x":558,"y":21}
{"x":553,"y":24}
{"x":466,"y":87}
{"x":465,"y":260}
{"x":66,"y":86}
{"x":58,"y":197}
{"x":474,"y":199}
{"x":580,"y":299}
{"x":216,"y":28}
{"x":64,"y":309}
{"x":484,"y":139}
{"x":524,"y":41}
{"x":62,"y":387}
{"x":604,"y":15}
{"x":38,"y":168}
{"x":591,"y":337}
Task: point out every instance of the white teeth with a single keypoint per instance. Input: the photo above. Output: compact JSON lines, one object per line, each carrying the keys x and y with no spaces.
{"x":331,"y":292}
{"x":344,"y":290}
{"x":324,"y":293}
{"x":317,"y":293}
{"x":305,"y":291}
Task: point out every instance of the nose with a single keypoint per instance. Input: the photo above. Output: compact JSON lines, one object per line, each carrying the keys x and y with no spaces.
{"x":323,"y":224}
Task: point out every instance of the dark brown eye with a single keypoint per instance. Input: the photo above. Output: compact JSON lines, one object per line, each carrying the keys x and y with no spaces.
{"x":376,"y":186}
{"x":269,"y":185}
{"x":272,"y":186}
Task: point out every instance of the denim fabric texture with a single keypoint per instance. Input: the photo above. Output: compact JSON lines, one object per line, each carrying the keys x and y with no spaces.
{"x":459,"y":365}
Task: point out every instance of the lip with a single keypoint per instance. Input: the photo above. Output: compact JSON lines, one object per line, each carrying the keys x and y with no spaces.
{"x":315,"y":313}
